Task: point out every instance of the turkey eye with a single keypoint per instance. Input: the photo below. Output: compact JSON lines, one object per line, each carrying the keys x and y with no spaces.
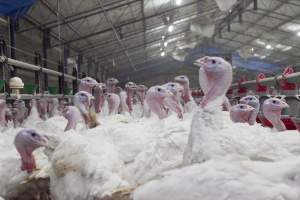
{"x":241,"y":107}
{"x":33,"y":134}
{"x":182,"y":77}
{"x":159,"y":89}
{"x":108,"y":96}
{"x":250,"y":99}
{"x":213,"y":61}
{"x":172,"y":85}
{"x":274,"y":101}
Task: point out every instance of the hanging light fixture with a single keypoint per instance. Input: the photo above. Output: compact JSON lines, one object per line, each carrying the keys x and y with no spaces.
{"x":171,"y":28}
{"x":178,"y":2}
{"x":268,"y":46}
{"x":165,"y":44}
{"x":162,"y":54}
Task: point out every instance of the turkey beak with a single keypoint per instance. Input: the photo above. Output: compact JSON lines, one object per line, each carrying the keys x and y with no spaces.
{"x":170,"y":94}
{"x":251,"y":108}
{"x":89,"y":99}
{"x":44,"y":141}
{"x":201,"y":62}
{"x":284,"y":105}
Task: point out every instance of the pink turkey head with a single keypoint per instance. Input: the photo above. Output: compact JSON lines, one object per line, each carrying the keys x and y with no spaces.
{"x":26,"y":141}
{"x":215,"y":76}
{"x":72,"y":114}
{"x":111,"y":84}
{"x":87,"y":84}
{"x":241,"y":113}
{"x":141,"y":92}
{"x":272,"y":108}
{"x":113,"y":101}
{"x":155,"y":99}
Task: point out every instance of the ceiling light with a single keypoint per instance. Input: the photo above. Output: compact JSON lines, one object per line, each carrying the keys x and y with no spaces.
{"x":298,"y":34}
{"x":163,"y":37}
{"x":268,"y":46}
{"x":252,"y":49}
{"x":287,"y":48}
{"x":293,"y":27}
{"x":263,"y":57}
{"x":258,"y":41}
{"x":162,"y":54}
{"x":165,"y":43}
{"x":178,"y":2}
{"x":171,"y":28}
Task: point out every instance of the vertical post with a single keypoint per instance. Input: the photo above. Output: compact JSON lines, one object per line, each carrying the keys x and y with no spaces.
{"x":2,"y":53}
{"x":97,"y":66}
{"x":12,"y":34}
{"x":79,"y":63}
{"x":75,"y":82}
{"x":89,"y":65}
{"x":37,"y":61}
{"x":255,"y":5}
{"x":102,"y":74}
{"x":61,"y":79}
{"x":65,"y":65}
{"x":83,"y":75}
{"x":46,"y":42}
{"x":228,"y":24}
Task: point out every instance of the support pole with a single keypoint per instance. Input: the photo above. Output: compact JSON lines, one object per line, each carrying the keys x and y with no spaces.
{"x":102,"y":74}
{"x":75,"y":82}
{"x":61,"y":79}
{"x":97,"y":66}
{"x":3,"y":52}
{"x":12,"y":34}
{"x":37,"y":61}
{"x":46,"y":41}
{"x":65,"y":65}
{"x":89,"y":66}
{"x":255,"y":5}
{"x":79,"y":63}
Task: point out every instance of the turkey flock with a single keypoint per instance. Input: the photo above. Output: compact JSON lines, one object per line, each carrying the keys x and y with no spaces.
{"x":135,"y":143}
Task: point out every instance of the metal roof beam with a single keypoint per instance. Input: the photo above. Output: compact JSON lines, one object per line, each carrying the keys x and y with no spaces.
{"x":151,"y":29}
{"x":272,"y":29}
{"x":79,"y":16}
{"x":54,"y":35}
{"x":259,"y":47}
{"x":142,"y":44}
{"x":132,"y":21}
{"x":108,"y":19}
{"x":260,"y":18}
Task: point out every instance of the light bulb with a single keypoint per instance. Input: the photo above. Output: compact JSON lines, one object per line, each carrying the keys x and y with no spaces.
{"x":162,"y":54}
{"x":298,"y":34}
{"x":268,"y":46}
{"x":171,"y":28}
{"x":165,"y":43}
{"x":178,"y":2}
